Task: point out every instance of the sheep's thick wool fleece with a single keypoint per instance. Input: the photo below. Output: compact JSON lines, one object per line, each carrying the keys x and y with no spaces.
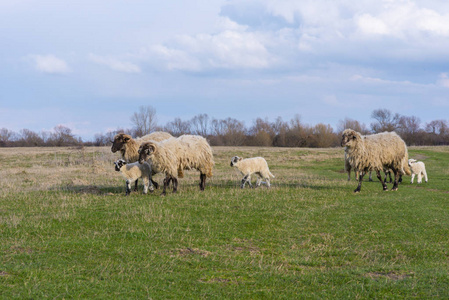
{"x":378,"y":151}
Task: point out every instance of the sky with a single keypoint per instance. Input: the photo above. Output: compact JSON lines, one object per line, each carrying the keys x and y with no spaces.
{"x":89,"y":65}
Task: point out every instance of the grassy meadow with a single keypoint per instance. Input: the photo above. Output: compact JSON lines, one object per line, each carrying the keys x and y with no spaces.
{"x":68,"y":231}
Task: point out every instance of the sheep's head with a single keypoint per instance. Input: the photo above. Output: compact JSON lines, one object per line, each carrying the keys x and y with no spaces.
{"x":145,"y":151}
{"x":120,"y":141}
{"x":119,"y":164}
{"x":235,"y":160}
{"x":348,"y":137}
{"x":411,"y":161}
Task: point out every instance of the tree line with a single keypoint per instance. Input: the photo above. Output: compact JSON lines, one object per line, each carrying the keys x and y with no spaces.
{"x":233,"y":132}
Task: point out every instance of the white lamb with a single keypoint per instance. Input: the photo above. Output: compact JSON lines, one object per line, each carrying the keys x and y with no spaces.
{"x":133,"y":171}
{"x":418,"y":168}
{"x":249,"y":166}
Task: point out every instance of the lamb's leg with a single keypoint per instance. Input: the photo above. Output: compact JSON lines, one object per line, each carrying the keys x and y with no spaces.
{"x":244,"y":180}
{"x":267,"y":180}
{"x":202,"y":181}
{"x":384,"y":185}
{"x":419,"y":177}
{"x":413,"y":177}
{"x":128,"y":187}
{"x":135,"y":186}
{"x":258,"y":182}
{"x":425,"y":176}
{"x":155,"y":184}
{"x":359,"y":186}
{"x":396,"y":180}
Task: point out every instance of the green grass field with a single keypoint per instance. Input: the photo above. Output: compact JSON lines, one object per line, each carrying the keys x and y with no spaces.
{"x":68,"y":231}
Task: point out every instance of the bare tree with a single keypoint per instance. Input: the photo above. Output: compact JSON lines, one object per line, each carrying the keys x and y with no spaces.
{"x":352,"y":124}
{"x":6,"y":136}
{"x":144,"y":121}
{"x":386,"y":121}
{"x":178,"y":127}
{"x":200,"y":125}
{"x":438,"y":127}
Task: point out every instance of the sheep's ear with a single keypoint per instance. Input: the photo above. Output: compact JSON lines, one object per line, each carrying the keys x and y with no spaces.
{"x":151,"y":149}
{"x":126,"y":139}
{"x":240,"y":158}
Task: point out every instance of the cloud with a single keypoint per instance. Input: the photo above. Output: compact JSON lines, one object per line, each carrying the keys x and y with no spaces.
{"x":443,"y":80}
{"x":50,"y":64}
{"x":115,"y":64}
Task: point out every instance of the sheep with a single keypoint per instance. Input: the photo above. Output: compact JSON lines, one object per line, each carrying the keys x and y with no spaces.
{"x":129,"y":147}
{"x":377,"y":152}
{"x":132,"y":171}
{"x":249,"y":166}
{"x":174,"y":155}
{"x":417,"y":168}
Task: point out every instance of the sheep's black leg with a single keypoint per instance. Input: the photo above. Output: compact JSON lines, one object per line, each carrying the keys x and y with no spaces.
{"x":400,"y":178}
{"x":359,"y":186}
{"x":396,"y":180}
{"x":202,"y":181}
{"x":166,"y":183}
{"x":384,"y":185}
{"x":135,"y":186}
{"x":175,"y":185}
{"x":156,"y":185}
{"x":244,"y":181}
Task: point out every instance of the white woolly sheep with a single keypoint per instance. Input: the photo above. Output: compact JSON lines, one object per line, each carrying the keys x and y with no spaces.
{"x":174,"y":155}
{"x":377,"y":152}
{"x":129,"y":147}
{"x":249,"y":166}
{"x":417,"y":168}
{"x":133,"y":171}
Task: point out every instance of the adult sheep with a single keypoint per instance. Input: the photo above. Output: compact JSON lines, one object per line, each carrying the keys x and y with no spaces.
{"x":129,"y":147}
{"x":377,"y":152}
{"x":174,"y":155}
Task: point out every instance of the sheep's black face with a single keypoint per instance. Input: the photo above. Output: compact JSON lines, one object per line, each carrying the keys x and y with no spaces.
{"x":235,"y":160}
{"x":119,"y":164}
{"x":145,"y":152}
{"x":119,"y":142}
{"x":347,"y":137}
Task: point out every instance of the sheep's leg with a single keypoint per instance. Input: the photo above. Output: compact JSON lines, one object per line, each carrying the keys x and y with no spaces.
{"x":245,"y":180}
{"x":166,"y":183}
{"x":267,"y":180}
{"x":384,"y":184}
{"x":258,"y":182}
{"x":128,"y":187}
{"x":359,"y":186}
{"x":400,"y":178}
{"x":370,"y":178}
{"x":419,"y":177}
{"x":135,"y":186}
{"x":425,"y":176}
{"x":175,"y":185}
{"x":413,"y":177}
{"x":202,"y":181}
{"x":155,"y":184}
{"x":396,"y":180}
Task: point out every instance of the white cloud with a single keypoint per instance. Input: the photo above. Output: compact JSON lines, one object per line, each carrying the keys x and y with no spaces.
{"x":50,"y":64}
{"x":443,"y":80}
{"x":115,"y":64}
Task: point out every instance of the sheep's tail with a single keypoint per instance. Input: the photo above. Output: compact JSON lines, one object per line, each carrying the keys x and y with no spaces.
{"x":269,"y":173}
{"x":405,"y":166}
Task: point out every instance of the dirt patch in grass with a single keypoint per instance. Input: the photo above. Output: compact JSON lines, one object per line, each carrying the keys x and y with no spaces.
{"x":190,"y":251}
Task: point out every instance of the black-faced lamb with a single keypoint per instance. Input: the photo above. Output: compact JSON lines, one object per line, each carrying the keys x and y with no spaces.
{"x":133,"y":171}
{"x":417,"y":168}
{"x":174,"y":155}
{"x":249,"y":166}
{"x":129,"y":147}
{"x":377,"y":152}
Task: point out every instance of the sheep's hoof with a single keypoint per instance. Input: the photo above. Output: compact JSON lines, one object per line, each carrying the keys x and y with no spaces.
{"x":356,"y":191}
{"x":394,"y":189}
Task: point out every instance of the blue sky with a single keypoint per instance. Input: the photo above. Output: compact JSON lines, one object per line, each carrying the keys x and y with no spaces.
{"x":89,"y":65}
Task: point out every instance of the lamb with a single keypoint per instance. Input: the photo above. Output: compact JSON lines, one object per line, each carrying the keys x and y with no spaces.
{"x":418,"y":168}
{"x":174,"y":155}
{"x":129,"y":147}
{"x":377,"y":152}
{"x":249,"y":166}
{"x":133,"y":171}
